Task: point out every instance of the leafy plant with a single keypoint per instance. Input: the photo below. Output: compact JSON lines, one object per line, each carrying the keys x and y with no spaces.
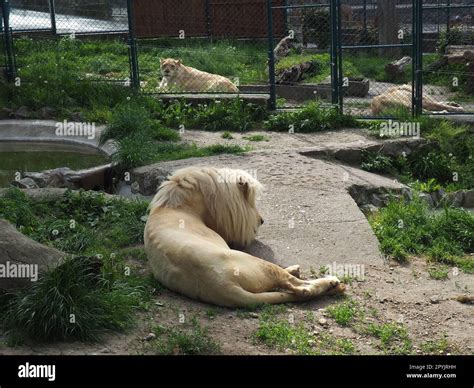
{"x":312,"y":118}
{"x":73,"y":301}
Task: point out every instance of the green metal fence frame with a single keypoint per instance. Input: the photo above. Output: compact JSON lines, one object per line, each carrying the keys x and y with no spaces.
{"x":10,"y":65}
{"x":337,"y":49}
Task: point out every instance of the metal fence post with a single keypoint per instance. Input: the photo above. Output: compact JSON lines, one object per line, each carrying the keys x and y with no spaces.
{"x":448,"y":15}
{"x":339,"y":54}
{"x":10,"y":70}
{"x":52,"y":12}
{"x":417,"y":92}
{"x":271,"y":58}
{"x":334,"y":56}
{"x":132,"y":46}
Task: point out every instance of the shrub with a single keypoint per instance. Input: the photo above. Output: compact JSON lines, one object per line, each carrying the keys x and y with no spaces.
{"x":312,"y":118}
{"x":405,"y":229}
{"x":73,"y":301}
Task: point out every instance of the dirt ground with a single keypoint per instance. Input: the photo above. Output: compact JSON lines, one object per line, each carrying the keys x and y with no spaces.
{"x":389,"y":293}
{"x":329,"y":227}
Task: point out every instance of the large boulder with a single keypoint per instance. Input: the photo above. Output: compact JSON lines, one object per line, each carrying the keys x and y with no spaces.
{"x":146,"y":180}
{"x":22,"y":260}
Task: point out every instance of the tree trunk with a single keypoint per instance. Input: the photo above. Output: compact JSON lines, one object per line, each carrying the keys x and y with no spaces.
{"x":397,"y":68}
{"x":22,"y":260}
{"x":388,"y":26}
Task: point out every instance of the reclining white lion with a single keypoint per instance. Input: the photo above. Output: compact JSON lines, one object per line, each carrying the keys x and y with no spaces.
{"x":193,"y":218}
{"x":180,"y":78}
{"x":402,"y":96}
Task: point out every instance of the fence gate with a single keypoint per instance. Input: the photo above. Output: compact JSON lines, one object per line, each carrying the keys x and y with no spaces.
{"x":347,"y":52}
{"x":303,"y":62}
{"x":378,"y":49}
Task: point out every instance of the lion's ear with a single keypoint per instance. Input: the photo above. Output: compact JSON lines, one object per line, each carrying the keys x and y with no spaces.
{"x":161,"y":60}
{"x":179,"y":62}
{"x":244,"y":187}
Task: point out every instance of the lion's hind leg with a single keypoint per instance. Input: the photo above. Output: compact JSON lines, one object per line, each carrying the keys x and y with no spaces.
{"x":326,"y":286}
{"x":294,"y":270}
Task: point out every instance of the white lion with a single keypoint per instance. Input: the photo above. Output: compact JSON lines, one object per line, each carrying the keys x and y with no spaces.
{"x":193,"y":218}
{"x":402,"y":96}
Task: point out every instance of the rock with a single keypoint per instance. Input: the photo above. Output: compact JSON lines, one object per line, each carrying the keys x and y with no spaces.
{"x":468,"y":199}
{"x":105,"y":351}
{"x":47,"y":113}
{"x":434,"y":299}
{"x":159,"y":304}
{"x":427,"y":198}
{"x":6,"y":113}
{"x":64,"y":177}
{"x":455,"y":199}
{"x":16,"y":249}
{"x":22,"y":113}
{"x":350,"y":155}
{"x":380,"y":200}
{"x":57,"y":177}
{"x":437,"y":196}
{"x":146,"y":180}
{"x":77,"y":117}
{"x":149,"y":337}
{"x":369,"y":209}
{"x":25,"y":183}
{"x":323,"y":322}
{"x":253,"y":315}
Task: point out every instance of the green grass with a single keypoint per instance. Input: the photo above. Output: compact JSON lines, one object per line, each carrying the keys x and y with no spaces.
{"x":393,"y":337}
{"x":136,"y":151}
{"x":344,"y":313}
{"x":103,"y":234}
{"x":142,"y":139}
{"x":276,"y":331}
{"x":80,"y":299}
{"x":438,"y":273}
{"x":101,"y":225}
{"x":447,"y":163}
{"x":257,"y":138}
{"x":184,"y":339}
{"x":283,"y":335}
{"x":227,"y":135}
{"x":436,"y":346}
{"x":311,"y":118}
{"x":409,"y":229}
{"x":211,"y":313}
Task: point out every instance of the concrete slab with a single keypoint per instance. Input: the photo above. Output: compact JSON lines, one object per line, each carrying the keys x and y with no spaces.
{"x":310,"y":218}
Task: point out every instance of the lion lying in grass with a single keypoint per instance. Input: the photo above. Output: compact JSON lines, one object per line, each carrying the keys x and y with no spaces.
{"x":180,"y":78}
{"x":193,"y":218}
{"x":402,"y":96}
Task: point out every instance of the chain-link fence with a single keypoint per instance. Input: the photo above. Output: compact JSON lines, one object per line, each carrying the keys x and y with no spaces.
{"x":371,"y":57}
{"x":203,"y":46}
{"x":69,"y":16}
{"x":366,"y":56}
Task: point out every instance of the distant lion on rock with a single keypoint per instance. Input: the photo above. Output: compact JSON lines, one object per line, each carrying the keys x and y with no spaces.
{"x":402,"y":96}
